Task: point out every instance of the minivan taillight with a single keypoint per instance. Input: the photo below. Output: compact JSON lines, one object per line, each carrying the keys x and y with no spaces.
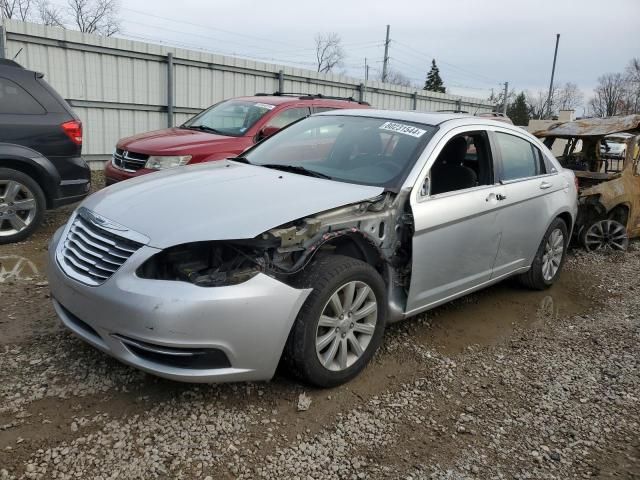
{"x":73,"y":129}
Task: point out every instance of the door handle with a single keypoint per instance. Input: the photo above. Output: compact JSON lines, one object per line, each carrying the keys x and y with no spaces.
{"x":545,"y":185}
{"x":497,"y":196}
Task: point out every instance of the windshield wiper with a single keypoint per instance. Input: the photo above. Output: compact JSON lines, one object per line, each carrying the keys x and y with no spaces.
{"x":204,"y":128}
{"x":296,"y":169}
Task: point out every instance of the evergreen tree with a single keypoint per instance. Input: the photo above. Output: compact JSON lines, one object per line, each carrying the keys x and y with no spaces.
{"x":518,"y":110}
{"x":434,"y":83}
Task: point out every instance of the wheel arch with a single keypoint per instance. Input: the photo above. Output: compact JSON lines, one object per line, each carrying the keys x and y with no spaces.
{"x":357,"y":245}
{"x":31,"y":163}
{"x":567,"y":218}
{"x":620,"y":213}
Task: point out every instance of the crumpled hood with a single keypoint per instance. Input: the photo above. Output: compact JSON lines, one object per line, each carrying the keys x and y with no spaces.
{"x":218,"y":201}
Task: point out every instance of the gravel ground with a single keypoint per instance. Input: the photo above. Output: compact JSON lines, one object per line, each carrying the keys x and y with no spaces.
{"x":502,"y":384}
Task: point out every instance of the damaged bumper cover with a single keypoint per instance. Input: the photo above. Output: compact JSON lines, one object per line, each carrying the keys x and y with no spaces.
{"x":179,"y":330}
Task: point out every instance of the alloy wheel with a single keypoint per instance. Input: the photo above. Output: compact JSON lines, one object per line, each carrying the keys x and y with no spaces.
{"x":606,"y":235}
{"x":553,"y":252}
{"x":17,"y":207}
{"x":346,"y":325}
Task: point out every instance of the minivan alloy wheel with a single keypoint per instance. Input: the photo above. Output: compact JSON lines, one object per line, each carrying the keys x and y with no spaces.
{"x":553,"y":252}
{"x":17,"y":207}
{"x":346,"y":325}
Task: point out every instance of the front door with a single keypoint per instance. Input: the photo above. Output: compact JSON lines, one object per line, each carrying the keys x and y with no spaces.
{"x":456,"y":216}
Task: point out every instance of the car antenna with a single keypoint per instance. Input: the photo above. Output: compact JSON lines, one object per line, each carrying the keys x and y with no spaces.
{"x":16,"y":55}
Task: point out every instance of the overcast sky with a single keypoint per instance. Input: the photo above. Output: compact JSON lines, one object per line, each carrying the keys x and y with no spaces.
{"x":477,"y":44}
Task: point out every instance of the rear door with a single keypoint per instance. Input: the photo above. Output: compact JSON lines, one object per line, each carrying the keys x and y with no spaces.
{"x":530,"y":186}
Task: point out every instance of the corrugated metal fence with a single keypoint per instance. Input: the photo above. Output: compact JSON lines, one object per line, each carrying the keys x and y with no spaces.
{"x":120,"y":87}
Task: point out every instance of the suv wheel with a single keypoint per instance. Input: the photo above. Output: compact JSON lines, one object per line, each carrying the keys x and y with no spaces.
{"x":22,"y":205}
{"x":341,"y":324}
{"x":549,"y":258}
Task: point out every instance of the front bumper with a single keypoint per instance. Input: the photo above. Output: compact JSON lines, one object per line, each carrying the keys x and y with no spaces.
{"x":249,"y":323}
{"x":114,"y":174}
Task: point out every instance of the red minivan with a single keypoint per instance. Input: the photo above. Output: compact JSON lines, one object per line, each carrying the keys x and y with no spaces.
{"x":224,"y":130}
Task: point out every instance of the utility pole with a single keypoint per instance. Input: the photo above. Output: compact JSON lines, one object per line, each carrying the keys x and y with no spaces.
{"x":553,"y":72}
{"x":2,"y":42}
{"x":385,"y":61}
{"x":366,"y":79}
{"x":506,"y":94}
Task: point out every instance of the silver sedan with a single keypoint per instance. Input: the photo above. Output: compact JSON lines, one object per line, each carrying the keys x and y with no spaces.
{"x":306,"y":247}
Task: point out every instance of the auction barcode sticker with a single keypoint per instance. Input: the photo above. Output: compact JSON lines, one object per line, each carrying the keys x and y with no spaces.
{"x":402,"y":128}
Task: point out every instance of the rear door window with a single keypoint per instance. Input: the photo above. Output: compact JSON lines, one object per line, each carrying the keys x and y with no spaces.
{"x":16,"y":100}
{"x":520,"y":158}
{"x":286,"y":117}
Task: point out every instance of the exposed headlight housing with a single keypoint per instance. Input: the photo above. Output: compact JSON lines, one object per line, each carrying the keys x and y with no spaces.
{"x":157,"y":162}
{"x":206,"y":264}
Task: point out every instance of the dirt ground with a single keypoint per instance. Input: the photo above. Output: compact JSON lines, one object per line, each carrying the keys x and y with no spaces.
{"x":505,"y":383}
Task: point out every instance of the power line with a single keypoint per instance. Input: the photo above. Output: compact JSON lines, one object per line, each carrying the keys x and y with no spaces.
{"x":451,"y":65}
{"x":421,"y":80}
{"x":207,"y":27}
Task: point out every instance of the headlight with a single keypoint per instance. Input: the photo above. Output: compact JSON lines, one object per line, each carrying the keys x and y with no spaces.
{"x":158,"y":163}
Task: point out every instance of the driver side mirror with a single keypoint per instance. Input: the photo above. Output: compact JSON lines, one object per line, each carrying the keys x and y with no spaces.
{"x":267,"y":132}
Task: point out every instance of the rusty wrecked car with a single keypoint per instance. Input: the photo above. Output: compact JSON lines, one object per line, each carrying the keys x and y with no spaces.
{"x":604,"y":155}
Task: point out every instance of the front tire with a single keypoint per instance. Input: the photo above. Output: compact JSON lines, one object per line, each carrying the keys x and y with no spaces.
{"x":22,"y":205}
{"x":549,"y":259}
{"x":341,"y":324}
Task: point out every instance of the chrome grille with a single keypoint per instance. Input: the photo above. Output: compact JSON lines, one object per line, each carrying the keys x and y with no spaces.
{"x":129,"y":161}
{"x":92,"y":254}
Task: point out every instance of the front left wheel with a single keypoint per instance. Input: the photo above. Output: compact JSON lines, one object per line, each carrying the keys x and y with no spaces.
{"x":341,"y":324}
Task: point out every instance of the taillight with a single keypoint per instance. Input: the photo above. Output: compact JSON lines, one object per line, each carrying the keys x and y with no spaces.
{"x":73,"y":129}
{"x":575,"y":179}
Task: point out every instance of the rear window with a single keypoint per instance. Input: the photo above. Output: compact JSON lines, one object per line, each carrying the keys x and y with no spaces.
{"x":16,"y":100}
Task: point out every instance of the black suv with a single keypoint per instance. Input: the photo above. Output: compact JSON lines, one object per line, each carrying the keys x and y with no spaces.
{"x":40,"y":144}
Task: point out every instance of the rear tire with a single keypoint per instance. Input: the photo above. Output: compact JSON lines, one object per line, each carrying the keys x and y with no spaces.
{"x":341,"y":324}
{"x":19,"y":190}
{"x":549,"y":259}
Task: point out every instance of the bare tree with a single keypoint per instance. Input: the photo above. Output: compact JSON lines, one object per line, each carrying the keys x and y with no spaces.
{"x":567,"y":97}
{"x":16,"y":9}
{"x":609,"y":95}
{"x":50,"y":14}
{"x":95,"y":16}
{"x":632,"y":78}
{"x":498,"y":99}
{"x":329,"y":51}
{"x":397,"y":78}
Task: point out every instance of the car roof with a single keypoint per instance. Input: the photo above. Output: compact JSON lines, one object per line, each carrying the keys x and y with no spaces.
{"x":282,"y":99}
{"x":5,"y":62}
{"x":427,"y":118}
